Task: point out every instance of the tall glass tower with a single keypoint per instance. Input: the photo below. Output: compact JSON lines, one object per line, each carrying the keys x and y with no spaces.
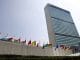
{"x":61,"y":28}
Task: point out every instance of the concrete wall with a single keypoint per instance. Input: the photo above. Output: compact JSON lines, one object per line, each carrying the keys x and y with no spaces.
{"x":22,"y":49}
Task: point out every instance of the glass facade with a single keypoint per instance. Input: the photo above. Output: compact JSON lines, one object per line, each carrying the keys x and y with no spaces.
{"x":63,"y":26}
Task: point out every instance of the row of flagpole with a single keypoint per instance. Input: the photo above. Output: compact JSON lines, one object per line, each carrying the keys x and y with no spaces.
{"x":64,"y":47}
{"x":30,"y":43}
{"x":34,"y":43}
{"x":19,"y":40}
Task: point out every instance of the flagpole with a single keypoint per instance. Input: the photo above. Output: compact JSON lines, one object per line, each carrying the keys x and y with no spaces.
{"x":0,"y":35}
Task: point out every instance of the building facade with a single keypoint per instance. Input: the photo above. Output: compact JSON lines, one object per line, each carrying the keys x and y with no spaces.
{"x":60,"y":25}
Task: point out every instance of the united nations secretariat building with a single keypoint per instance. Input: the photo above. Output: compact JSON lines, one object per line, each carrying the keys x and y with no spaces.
{"x":61,"y":31}
{"x":61,"y":28}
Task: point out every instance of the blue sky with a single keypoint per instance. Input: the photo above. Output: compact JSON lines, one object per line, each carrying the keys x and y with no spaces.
{"x":26,"y":18}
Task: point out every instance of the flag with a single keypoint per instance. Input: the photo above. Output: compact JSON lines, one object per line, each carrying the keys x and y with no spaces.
{"x":65,"y":47}
{"x":43,"y":46}
{"x":24,"y":41}
{"x":62,"y":46}
{"x":37,"y":44}
{"x":10,"y":39}
{"x":19,"y":40}
{"x":16,"y":41}
{"x":57,"y":46}
{"x":47,"y":45}
{"x":34,"y":43}
{"x":29,"y":43}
